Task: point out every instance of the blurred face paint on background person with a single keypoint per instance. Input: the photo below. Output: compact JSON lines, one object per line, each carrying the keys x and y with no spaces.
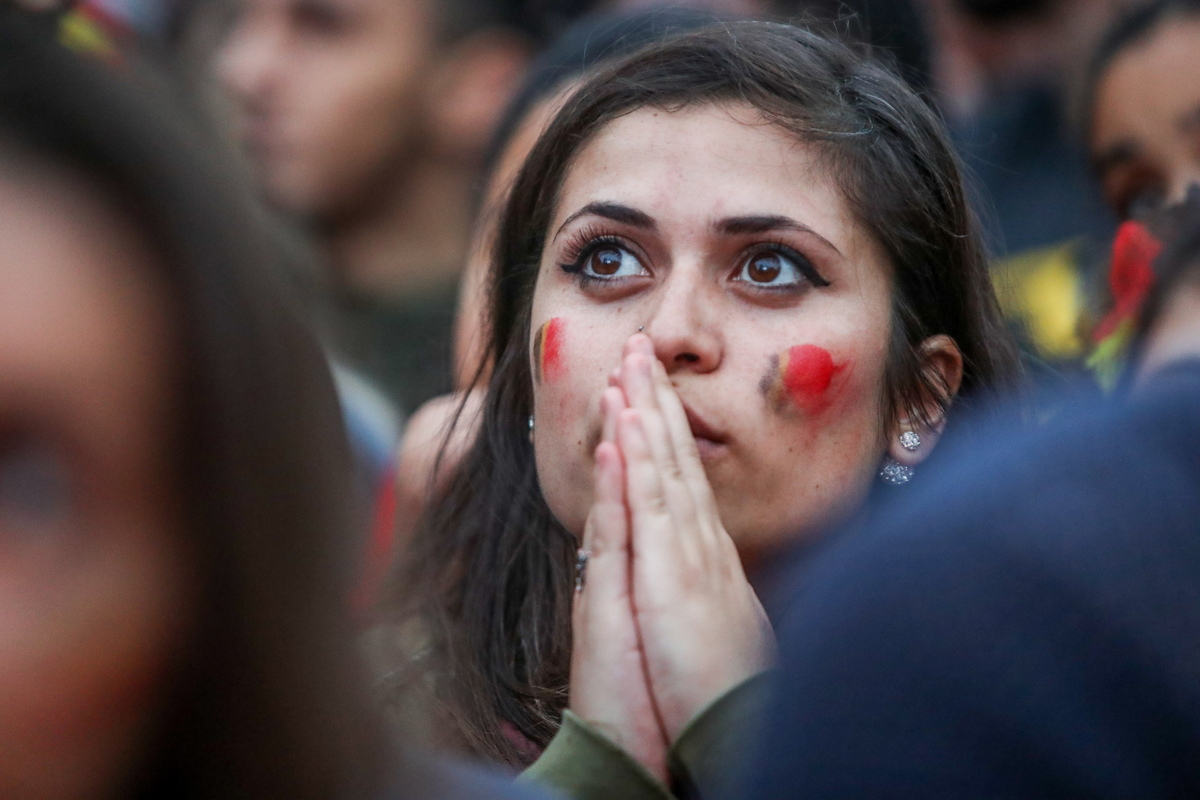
{"x":91,"y":582}
{"x":722,"y":237}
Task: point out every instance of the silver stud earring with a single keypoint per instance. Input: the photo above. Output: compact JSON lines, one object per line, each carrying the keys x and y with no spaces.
{"x":531,"y":424}
{"x":910,"y":441}
{"x":895,"y":473}
{"x":641,"y":328}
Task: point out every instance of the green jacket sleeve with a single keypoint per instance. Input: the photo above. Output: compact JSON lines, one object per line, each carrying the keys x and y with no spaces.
{"x":582,"y":763}
{"x":710,"y":753}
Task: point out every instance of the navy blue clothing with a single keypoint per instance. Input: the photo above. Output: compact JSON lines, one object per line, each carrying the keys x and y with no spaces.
{"x":432,"y":777}
{"x":1024,"y":624}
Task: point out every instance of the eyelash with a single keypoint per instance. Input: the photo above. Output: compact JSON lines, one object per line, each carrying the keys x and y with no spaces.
{"x":580,"y":247}
{"x":802,"y":262}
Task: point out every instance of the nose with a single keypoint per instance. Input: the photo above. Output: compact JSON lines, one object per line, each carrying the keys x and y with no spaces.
{"x":246,"y":63}
{"x":684,"y":325}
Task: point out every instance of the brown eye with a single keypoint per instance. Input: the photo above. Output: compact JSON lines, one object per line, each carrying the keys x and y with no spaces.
{"x":764,"y":268}
{"x":606,"y":261}
{"x":778,"y":268}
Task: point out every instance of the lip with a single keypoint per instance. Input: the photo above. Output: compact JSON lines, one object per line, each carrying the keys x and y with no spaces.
{"x":709,"y":441}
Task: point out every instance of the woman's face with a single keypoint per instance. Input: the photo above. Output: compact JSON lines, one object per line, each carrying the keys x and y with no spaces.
{"x":90,"y":575}
{"x":1146,"y":123}
{"x":723,"y":238}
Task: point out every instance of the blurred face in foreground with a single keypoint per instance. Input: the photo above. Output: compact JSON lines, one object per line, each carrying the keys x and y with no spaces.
{"x":1145,"y":141}
{"x":90,"y":563}
{"x":327,"y":92}
{"x":723,"y":237}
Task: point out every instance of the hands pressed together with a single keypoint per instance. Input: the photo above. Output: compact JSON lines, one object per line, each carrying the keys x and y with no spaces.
{"x":666,"y":621}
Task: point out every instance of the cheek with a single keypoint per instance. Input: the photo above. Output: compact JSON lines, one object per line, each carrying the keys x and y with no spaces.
{"x":548,"y":344}
{"x":570,"y":360}
{"x":804,"y":378}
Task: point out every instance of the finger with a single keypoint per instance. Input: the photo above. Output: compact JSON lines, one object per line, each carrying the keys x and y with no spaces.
{"x":687,"y":455}
{"x":606,"y":536}
{"x":657,"y":547}
{"x":640,"y":343}
{"x":681,"y":453}
{"x":612,"y":403}
{"x":638,"y":381}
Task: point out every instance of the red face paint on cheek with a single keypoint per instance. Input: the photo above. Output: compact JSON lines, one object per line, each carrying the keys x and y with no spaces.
{"x":547,"y":350}
{"x":801,"y":377}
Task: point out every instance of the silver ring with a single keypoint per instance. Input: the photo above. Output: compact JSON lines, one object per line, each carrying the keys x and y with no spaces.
{"x":581,"y":562}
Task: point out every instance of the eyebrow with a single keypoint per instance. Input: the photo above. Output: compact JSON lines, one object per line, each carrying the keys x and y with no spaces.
{"x":762,"y":223}
{"x":731,"y":226}
{"x":614,"y":211}
{"x":1120,"y":153}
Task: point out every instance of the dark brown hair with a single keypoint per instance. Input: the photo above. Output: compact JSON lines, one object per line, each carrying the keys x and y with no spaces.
{"x":491,"y":574}
{"x":266,"y":700}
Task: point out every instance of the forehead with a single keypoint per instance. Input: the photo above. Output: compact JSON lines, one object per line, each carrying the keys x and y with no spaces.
{"x":705,"y":163}
{"x":1149,"y":88}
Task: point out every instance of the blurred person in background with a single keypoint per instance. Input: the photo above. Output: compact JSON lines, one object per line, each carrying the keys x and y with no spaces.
{"x":613,"y":287}
{"x":1024,"y":624}
{"x":367,"y":119}
{"x":1004,"y":72}
{"x":1142,"y":108}
{"x":174,"y":476}
{"x":1140,"y":119}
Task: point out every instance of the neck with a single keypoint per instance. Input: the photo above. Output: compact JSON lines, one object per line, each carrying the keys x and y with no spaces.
{"x":411,"y":240}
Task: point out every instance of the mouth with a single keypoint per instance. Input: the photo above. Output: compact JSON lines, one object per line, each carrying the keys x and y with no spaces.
{"x":709,"y":441}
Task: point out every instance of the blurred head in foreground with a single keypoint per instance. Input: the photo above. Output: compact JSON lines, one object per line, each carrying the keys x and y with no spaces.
{"x":171,"y":467}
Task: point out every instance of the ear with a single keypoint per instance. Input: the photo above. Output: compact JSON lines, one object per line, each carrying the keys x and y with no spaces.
{"x":911,"y":441}
{"x":470,"y":89}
